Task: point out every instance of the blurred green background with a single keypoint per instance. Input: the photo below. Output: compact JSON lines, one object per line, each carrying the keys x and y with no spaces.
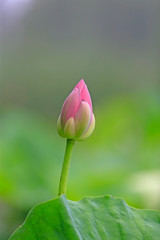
{"x":46,"y":47}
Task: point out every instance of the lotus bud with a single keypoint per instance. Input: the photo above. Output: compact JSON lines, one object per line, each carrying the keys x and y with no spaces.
{"x":77,"y":120}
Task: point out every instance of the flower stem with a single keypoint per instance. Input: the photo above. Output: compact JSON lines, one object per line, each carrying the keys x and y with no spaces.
{"x":65,"y":167}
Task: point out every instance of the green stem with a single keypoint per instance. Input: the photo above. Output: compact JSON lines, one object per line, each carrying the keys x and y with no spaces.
{"x":65,"y":168}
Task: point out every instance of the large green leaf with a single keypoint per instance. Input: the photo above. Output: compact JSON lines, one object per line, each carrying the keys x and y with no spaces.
{"x":99,"y":218}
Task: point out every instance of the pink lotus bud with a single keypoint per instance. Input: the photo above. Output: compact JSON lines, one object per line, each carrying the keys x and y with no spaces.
{"x":77,"y":120}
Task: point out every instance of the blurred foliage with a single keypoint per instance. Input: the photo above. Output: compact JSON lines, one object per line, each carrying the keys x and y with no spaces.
{"x":120,"y":158}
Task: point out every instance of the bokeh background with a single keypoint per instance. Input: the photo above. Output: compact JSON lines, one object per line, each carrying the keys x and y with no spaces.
{"x":46,"y":47}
